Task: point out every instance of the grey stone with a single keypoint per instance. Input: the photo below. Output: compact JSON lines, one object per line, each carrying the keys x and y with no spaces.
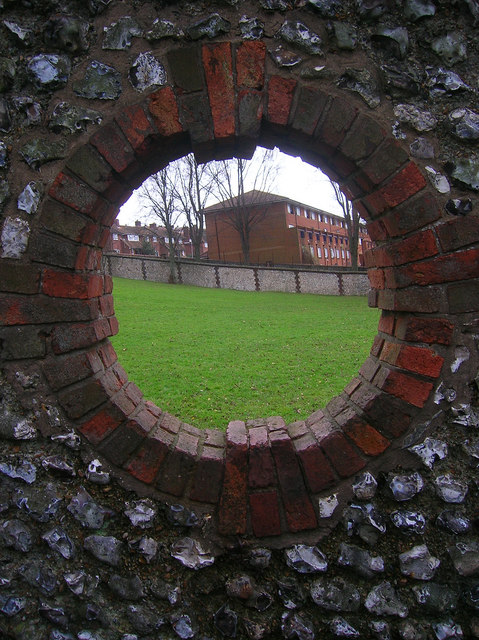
{"x":442,"y":82}
{"x":430,"y":450}
{"x":38,"y":151}
{"x":365,"y":486}
{"x":180,"y":516}
{"x":100,"y":82}
{"x":42,"y":506}
{"x":383,"y":600}
{"x":162,"y":29}
{"x":465,"y":557}
{"x":67,"y":33}
{"x":335,"y":595}
{"x":24,"y":36}
{"x":49,"y":70}
{"x":326,"y":8}
{"x":165,"y":591}
{"x":81,"y":583}
{"x":296,"y":33}
{"x":450,"y":489}
{"x":105,"y":548}
{"x":15,"y":534}
{"x":459,"y":207}
{"x":436,"y":598}
{"x":422,"y":148}
{"x":451,"y":48}
{"x":341,"y":628}
{"x":3,"y":155}
{"x":364,"y":521}
{"x":465,"y":171}
{"x":416,"y":118}
{"x":7,"y":74}
{"x":395,"y":40}
{"x":464,"y":415}
{"x":19,"y":469}
{"x":147,"y":72}
{"x":346,"y":36}
{"x":95,"y":473}
{"x":141,"y":513}
{"x":416,"y":9}
{"x":251,"y":28}
{"x":260,"y":558}
{"x":5,"y":120}
{"x":471,"y":448}
{"x":447,"y":629}
{"x":191,"y":553}
{"x":453,"y":521}
{"x":118,"y":36}
{"x":55,"y":615}
{"x":400,"y":79}
{"x":11,"y":605}
{"x":210,"y":27}
{"x":14,"y":240}
{"x":285,"y":58}
{"x":362,"y":82}
{"x":70,"y":440}
{"x":58,"y":540}
{"x":183,"y":626}
{"x":127,"y":588}
{"x":409,"y":521}
{"x":411,"y":630}
{"x":360,"y":560}
{"x":84,"y":509}
{"x":464,"y":124}
{"x":292,"y":594}
{"x":144,"y":619}
{"x":148,"y":547}
{"x":380,"y":629}
{"x":295,"y":626}
{"x":68,"y":118}
{"x":418,"y":563}
{"x":373,"y":9}
{"x":405,"y":487}
{"x":39,"y":575}
{"x":226,"y":621}
{"x":306,"y":559}
{"x":30,"y":198}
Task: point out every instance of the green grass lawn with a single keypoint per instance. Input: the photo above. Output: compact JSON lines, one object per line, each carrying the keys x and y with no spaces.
{"x":210,"y":355}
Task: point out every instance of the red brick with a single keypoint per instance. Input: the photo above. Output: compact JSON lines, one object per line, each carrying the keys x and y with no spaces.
{"x":386,"y":323}
{"x":218,"y":66}
{"x":149,"y":459}
{"x":280,"y":97}
{"x":299,"y":511}
{"x":363,"y":139}
{"x":126,"y":439}
{"x":265,"y":514}
{"x":417,"y":213}
{"x":317,"y":470}
{"x":136,"y":127}
{"x":164,"y":109}
{"x":458,"y":233}
{"x":91,"y":233}
{"x":78,"y":196}
{"x":419,"y":360}
{"x":403,"y":386}
{"x":88,"y":259}
{"x":417,"y":247}
{"x":233,"y":501}
{"x":106,"y":305}
{"x":208,"y":478}
{"x":343,"y":457}
{"x":404,"y":185}
{"x":429,"y":330}
{"x":59,"y":284}
{"x":113,"y":146}
{"x":377,"y":346}
{"x":388,"y":159}
{"x":376,"y":278}
{"x":114,"y":327}
{"x":310,"y":106}
{"x":364,"y":436}
{"x":261,"y":473}
{"x":250,"y":59}
{"x":456,"y":266}
{"x":377,"y":231}
{"x":99,"y":426}
{"x":339,"y":119}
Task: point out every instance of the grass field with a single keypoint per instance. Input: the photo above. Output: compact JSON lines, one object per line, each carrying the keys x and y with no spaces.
{"x":210,"y":356}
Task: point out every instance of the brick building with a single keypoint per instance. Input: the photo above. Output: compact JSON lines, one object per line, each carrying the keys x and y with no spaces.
{"x":286,"y":232}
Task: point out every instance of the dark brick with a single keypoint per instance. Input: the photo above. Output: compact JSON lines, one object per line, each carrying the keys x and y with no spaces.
{"x":75,"y":194}
{"x":115,"y":149}
{"x":339,"y":118}
{"x":53,"y":250}
{"x":233,"y":501}
{"x":195,"y":117}
{"x":38,"y":310}
{"x":95,"y":171}
{"x":250,"y":113}
{"x":19,"y":278}
{"x":343,"y":457}
{"x":261,"y":472}
{"x":310,"y":106}
{"x":17,"y":343}
{"x":179,"y":465}
{"x":390,"y":414}
{"x":124,"y":440}
{"x":149,"y":459}
{"x":388,"y":159}
{"x":208,"y":478}
{"x":137,"y":129}
{"x":463,"y":297}
{"x":62,"y":371}
{"x":363,"y":138}
{"x":186,"y":68}
{"x":82,"y":398}
{"x":265,"y":514}
{"x":458,"y":233}
{"x":63,"y":220}
{"x":417,"y":213}
{"x":317,"y":470}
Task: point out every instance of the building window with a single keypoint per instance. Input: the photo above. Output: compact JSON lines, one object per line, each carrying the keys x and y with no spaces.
{"x":290,"y":208}
{"x":318,"y":237}
{"x":325,"y":252}
{"x":313,"y":215}
{"x":337,"y":253}
{"x":307,"y":214}
{"x":206,"y":245}
{"x":347,"y":253}
{"x":154,"y":238}
{"x":319,"y":252}
{"x":301,"y":233}
{"x":115,"y":236}
{"x":167,"y":240}
{"x":298,"y":211}
{"x":133,"y":238}
{"x":342,"y":253}
{"x":310,"y":236}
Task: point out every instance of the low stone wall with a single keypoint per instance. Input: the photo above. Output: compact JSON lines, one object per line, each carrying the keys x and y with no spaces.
{"x":242,"y":278}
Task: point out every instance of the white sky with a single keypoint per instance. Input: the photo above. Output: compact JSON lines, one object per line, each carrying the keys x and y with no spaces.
{"x":296,"y":180}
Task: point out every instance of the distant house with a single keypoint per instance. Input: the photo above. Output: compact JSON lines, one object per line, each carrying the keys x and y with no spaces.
{"x":148,"y":240}
{"x":287,"y":232}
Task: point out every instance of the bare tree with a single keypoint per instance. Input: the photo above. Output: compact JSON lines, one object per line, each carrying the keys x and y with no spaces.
{"x":242,"y":187}
{"x":158,"y":195}
{"x":351,"y":219}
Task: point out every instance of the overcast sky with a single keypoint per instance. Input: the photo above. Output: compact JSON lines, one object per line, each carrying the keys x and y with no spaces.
{"x":296,"y":180}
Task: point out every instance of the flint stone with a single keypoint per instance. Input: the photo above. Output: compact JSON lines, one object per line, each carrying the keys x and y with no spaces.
{"x":70,"y":440}
{"x":40,"y":576}
{"x":346,"y":36}
{"x":422,"y":148}
{"x":441,"y":82}
{"x":451,"y":490}
{"x":341,"y":628}
{"x":430,"y":450}
{"x":148,"y":547}
{"x":365,"y":486}
{"x":59,"y":465}
{"x":327,"y":506}
{"x":15,"y":534}
{"x":241,"y":587}
{"x":326,"y":8}
{"x":416,"y":9}
{"x":274,"y":5}
{"x":14,"y":427}
{"x":24,"y":36}
{"x":409,"y":521}
{"x":183,"y":626}
{"x":465,"y":556}
{"x":165,"y":591}
{"x":372,"y":9}
{"x":7,"y":74}
{"x":105,"y":548}
{"x":459,"y":207}
{"x":362,"y":82}
{"x":284,"y":58}
{"x":179,"y":516}
{"x":395,"y":40}
{"x":147,"y":72}
{"x":438,"y":181}
{"x":67,"y":118}
{"x":15,"y":234}
{"x":226,"y":621}
{"x":418,"y":563}
{"x":251,"y":28}
{"x":141,"y":513}
{"x":101,"y":82}
{"x":384,"y":601}
{"x":11,"y":605}
{"x":305,"y":559}
{"x":298,"y":34}
{"x":453,"y":521}
{"x":81,"y":583}
{"x":191,"y":553}
{"x":400,"y":80}
{"x":162,"y":29}
{"x":144,"y":619}
{"x":436,"y":598}
{"x":38,"y":151}
{"x":118,"y":36}
{"x":364,"y":521}
{"x":95,"y":473}
{"x":84,"y":509}
{"x":130,"y":588}
{"x":29,"y":108}
{"x":24,"y":470}
{"x":471,"y":448}
{"x":405,"y":487}
{"x":49,"y":70}
{"x":380,"y":629}
{"x":471,"y":596}
{"x":67,"y":33}
{"x":295,"y":626}
{"x":451,"y":48}
{"x":260,"y":558}
{"x":416,"y":118}
{"x":447,"y":629}
{"x":360,"y":560}
{"x":42,"y":506}
{"x":291,"y":593}
{"x":58,"y":540}
{"x":210,"y":27}
{"x":465,"y":416}
{"x":464,"y":124}
{"x":56,"y":615}
{"x":335,"y":595}
{"x":3,"y":155}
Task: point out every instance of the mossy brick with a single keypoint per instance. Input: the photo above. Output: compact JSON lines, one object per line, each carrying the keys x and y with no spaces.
{"x":458,"y":233}
{"x":39,"y":310}
{"x":418,"y":212}
{"x":195,"y":117}
{"x":60,"y":284}
{"x":164,"y":109}
{"x":280,"y":98}
{"x":90,"y":166}
{"x":419,"y":299}
{"x":19,"y":278}
{"x":232,"y":512}
{"x":385,"y":162}
{"x":149,"y":459}
{"x":298,"y":508}
{"x":261,"y":472}
{"x":265,"y":514}
{"x":310,"y":106}
{"x":363,"y":138}
{"x":316,"y":468}
{"x":100,"y":425}
{"x":62,"y":371}
{"x":78,"y":196}
{"x":186,"y":68}
{"x":218,"y":67}
{"x":429,"y":330}
{"x":339,"y":118}
{"x":208,"y":476}
{"x":406,"y":387}
{"x":250,"y":113}
{"x":342,"y":456}
{"x":123,"y":442}
{"x":18,"y":343}
{"x":63,"y":220}
{"x":137,"y":128}
{"x":113,"y":146}
{"x":53,"y":250}
{"x":463,"y":297}
{"x":80,"y":399}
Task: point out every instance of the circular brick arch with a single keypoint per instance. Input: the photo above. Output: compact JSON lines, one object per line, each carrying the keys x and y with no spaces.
{"x":264,"y":478}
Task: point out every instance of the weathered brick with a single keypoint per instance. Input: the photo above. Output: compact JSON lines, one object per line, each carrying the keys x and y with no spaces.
{"x":208,"y":478}
{"x":310,"y":106}
{"x":63,"y":220}
{"x":343,"y":457}
{"x":53,"y":250}
{"x":298,"y":508}
{"x":417,"y":213}
{"x":261,"y":473}
{"x":280,"y":97}
{"x":339,"y":119}
{"x":186,"y":68}
{"x":376,"y":346}
{"x":100,"y":425}
{"x":403,"y":386}
{"x":463,"y":297}
{"x":350,"y":388}
{"x":265,"y":514}
{"x":250,"y":59}
{"x":164,"y":109}
{"x":115,"y":148}
{"x":124,"y":440}
{"x":62,"y":371}
{"x":413,"y":299}
{"x":170,"y":423}
{"x":458,"y":233}
{"x":78,"y":196}
{"x":19,"y":278}
{"x":136,"y":127}
{"x":364,"y":436}
{"x":250,"y":112}
{"x":88,"y":165}
{"x":218,"y":67}
{"x":17,"y":343}
{"x":369,"y":368}
{"x":416,"y":359}
{"x":336,"y":405}
{"x":232,"y":513}
{"x":297,"y":429}
{"x":363,"y":138}
{"x":456,"y":266}
{"x":317,"y":470}
{"x":376,"y":278}
{"x":59,"y":284}
{"x":195,"y":117}
{"x":387,"y":323}
{"x":134,"y":393}
{"x":377,"y":231}
{"x":149,"y":458}
{"x":390,"y":414}
{"x":429,"y":330}
{"x":34,"y":310}
{"x":388,"y":159}
{"x":403,"y":185}
{"x":78,"y":400}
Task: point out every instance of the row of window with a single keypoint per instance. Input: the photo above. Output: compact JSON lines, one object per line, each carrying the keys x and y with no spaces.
{"x":312,"y":215}
{"x":317,"y":237}
{"x":334,"y":253}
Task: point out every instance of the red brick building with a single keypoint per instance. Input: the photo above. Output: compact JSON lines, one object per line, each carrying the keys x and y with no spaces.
{"x":287,"y":232}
